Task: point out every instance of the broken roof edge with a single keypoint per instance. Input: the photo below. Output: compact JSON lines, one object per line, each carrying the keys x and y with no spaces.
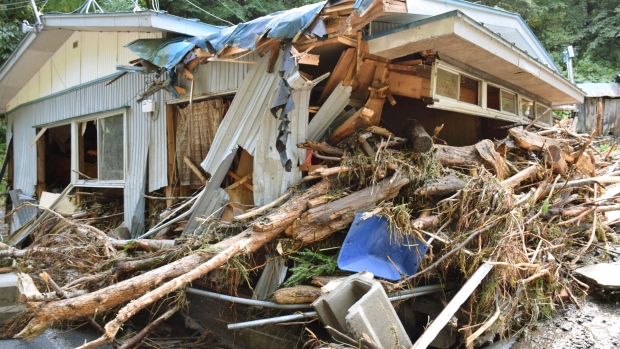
{"x":545,"y":73}
{"x":514,"y":15}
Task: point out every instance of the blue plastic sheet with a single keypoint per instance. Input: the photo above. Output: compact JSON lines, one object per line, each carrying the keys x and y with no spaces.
{"x":372,"y":246}
{"x":163,"y":54}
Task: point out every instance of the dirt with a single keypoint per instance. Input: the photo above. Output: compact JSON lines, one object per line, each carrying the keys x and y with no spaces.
{"x":596,"y":325}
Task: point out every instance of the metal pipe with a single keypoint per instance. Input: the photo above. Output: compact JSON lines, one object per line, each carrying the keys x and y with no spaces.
{"x":418,"y":291}
{"x":273,"y":320}
{"x":246,"y":301}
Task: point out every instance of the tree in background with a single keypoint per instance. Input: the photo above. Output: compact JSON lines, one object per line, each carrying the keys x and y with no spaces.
{"x":591,"y":26}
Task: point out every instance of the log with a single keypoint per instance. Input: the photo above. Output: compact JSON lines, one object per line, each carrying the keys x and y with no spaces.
{"x":532,"y":141}
{"x":297,"y":294}
{"x":197,"y":264}
{"x":322,"y":147}
{"x":49,"y":296}
{"x":421,"y":141}
{"x":480,"y":154}
{"x":441,"y":186}
{"x":321,"y":222}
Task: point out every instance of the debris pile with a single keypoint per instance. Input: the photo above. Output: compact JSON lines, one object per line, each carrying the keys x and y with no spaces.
{"x":526,"y":210}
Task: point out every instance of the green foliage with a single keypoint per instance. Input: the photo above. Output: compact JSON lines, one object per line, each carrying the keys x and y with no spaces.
{"x":591,"y":26}
{"x":310,"y":264}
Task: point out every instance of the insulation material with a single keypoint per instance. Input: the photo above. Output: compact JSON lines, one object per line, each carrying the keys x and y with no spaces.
{"x":197,"y":125}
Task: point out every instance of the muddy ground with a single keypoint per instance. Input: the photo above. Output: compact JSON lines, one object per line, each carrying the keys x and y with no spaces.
{"x":596,"y":325}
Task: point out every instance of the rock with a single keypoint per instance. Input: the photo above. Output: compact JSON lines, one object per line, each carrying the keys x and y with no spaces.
{"x":604,"y":275}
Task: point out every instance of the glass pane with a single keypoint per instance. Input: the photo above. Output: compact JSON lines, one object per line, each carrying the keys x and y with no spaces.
{"x":527,"y":109}
{"x":469,"y":90}
{"x":508,"y":102}
{"x":447,"y":84}
{"x":111,"y":148}
{"x":541,"y":109}
{"x":492,"y":97}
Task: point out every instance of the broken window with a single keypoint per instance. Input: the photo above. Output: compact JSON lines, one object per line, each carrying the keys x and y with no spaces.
{"x":100,"y":150}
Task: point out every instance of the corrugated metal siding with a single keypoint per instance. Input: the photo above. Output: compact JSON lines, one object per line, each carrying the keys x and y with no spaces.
{"x":270,"y":180}
{"x":158,"y":149}
{"x":334,"y":104}
{"x":217,"y":77}
{"x":242,"y":121}
{"x":603,"y":89}
{"x":87,"y":100}
{"x":378,"y":27}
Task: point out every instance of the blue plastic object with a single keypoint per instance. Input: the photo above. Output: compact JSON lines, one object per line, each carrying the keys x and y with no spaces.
{"x":367,"y":247}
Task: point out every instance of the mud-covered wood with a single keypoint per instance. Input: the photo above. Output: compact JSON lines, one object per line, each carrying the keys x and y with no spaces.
{"x":532,"y":141}
{"x":297,"y":294}
{"x":441,"y":186}
{"x":482,"y":153}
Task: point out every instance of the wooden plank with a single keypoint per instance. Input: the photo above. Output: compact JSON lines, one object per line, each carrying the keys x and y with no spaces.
{"x":173,"y":178}
{"x":41,"y":164}
{"x":405,"y":85}
{"x":339,"y":73}
{"x":442,"y":319}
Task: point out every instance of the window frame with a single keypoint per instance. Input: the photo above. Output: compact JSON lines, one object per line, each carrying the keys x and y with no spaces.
{"x":481,"y":109}
{"x":75,"y":161}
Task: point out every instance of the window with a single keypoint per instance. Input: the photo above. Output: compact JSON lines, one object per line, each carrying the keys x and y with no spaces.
{"x":509,"y":102}
{"x":447,"y":84}
{"x":458,"y":87}
{"x":469,"y":91}
{"x":99,"y":150}
{"x":527,"y":109}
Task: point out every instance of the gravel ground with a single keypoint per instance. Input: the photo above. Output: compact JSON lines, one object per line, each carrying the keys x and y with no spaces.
{"x":595,"y":326}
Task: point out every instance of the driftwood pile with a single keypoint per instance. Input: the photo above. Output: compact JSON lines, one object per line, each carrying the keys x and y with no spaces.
{"x":532,"y":205}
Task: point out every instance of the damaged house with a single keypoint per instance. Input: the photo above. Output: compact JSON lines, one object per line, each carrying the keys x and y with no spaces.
{"x":467,"y":67}
{"x":143,"y":104}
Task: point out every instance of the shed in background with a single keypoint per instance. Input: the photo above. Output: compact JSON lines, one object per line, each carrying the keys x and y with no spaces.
{"x":609,"y":94}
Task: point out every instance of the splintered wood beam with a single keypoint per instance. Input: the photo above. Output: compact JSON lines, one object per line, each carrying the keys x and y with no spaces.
{"x":347,"y":41}
{"x":200,"y":53}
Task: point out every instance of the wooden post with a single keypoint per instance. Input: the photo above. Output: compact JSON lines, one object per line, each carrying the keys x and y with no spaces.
{"x":419,"y":138}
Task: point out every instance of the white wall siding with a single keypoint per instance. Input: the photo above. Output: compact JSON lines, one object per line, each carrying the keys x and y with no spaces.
{"x":45,"y":78}
{"x":73,"y":59}
{"x":90,"y":50}
{"x":108,"y":53}
{"x":158,"y":149}
{"x":59,"y":69}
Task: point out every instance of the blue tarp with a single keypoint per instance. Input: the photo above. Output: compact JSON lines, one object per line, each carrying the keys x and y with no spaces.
{"x":164,"y":54}
{"x":278,"y":25}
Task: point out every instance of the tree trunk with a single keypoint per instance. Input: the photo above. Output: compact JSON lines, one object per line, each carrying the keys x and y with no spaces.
{"x":421,"y":141}
{"x":532,"y":141}
{"x":106,"y":298}
{"x":320,"y":222}
{"x":480,"y":154}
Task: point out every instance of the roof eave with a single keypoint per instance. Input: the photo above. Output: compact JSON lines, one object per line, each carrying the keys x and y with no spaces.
{"x":455,"y":25}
